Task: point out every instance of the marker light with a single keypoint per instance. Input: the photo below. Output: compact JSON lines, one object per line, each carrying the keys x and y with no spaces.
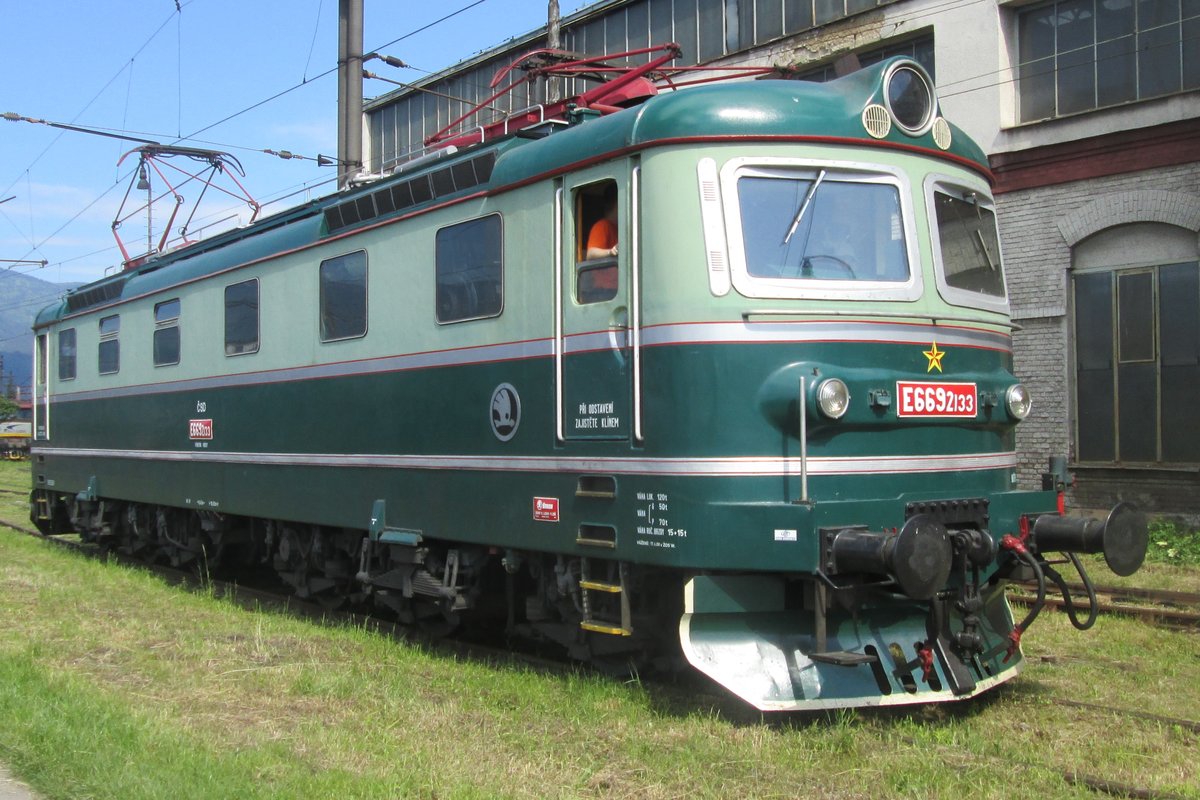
{"x":833,"y":398}
{"x":1018,"y":401}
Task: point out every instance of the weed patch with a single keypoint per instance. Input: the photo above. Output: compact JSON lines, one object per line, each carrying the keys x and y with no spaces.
{"x":1171,"y":543}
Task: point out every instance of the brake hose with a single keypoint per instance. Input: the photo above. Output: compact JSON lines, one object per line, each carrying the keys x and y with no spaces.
{"x":1068,"y":603}
{"x":1010,"y":542}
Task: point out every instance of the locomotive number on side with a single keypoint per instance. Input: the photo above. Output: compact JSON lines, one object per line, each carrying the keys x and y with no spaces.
{"x":929,"y":399}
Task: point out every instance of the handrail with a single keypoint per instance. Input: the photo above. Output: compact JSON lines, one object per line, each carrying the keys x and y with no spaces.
{"x":934,"y":318}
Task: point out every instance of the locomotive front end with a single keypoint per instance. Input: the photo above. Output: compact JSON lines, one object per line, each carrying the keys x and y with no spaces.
{"x":873,"y":343}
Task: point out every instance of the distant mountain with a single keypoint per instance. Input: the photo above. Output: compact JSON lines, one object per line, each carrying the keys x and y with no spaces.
{"x":21,"y":298}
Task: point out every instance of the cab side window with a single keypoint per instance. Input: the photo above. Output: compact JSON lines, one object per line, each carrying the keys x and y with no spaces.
{"x":597,"y":217}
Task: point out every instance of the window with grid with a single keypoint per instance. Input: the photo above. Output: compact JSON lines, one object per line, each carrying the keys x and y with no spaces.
{"x":919,"y":50}
{"x":705,"y":30}
{"x":1079,"y":55}
{"x":1137,"y":362}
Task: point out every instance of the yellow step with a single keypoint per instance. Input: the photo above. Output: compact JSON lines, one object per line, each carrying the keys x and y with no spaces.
{"x":600,"y":627}
{"x":599,"y":586}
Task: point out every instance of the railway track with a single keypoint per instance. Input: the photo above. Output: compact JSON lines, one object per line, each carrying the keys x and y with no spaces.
{"x":1171,"y":609}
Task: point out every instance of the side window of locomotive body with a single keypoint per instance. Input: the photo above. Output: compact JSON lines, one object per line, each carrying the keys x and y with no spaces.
{"x":819,"y":231}
{"x":109,"y":352}
{"x":344,"y":297}
{"x":597,"y":218}
{"x":969,"y":268}
{"x":469,"y":266}
{"x":166,"y":333}
{"x":66,"y":354}
{"x":241,"y":318}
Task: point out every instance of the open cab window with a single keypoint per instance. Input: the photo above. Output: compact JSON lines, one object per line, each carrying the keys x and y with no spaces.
{"x":598,"y":223}
{"x":970,"y":271}
{"x":819,"y":230}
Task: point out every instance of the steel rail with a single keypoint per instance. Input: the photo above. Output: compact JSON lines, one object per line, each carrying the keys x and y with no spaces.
{"x":1159,"y":614}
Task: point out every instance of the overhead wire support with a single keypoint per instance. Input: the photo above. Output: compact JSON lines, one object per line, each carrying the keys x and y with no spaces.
{"x":14,"y":117}
{"x":287,"y":155}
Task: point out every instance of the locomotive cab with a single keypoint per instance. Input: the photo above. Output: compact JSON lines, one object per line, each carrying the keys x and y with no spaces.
{"x":875,"y":269}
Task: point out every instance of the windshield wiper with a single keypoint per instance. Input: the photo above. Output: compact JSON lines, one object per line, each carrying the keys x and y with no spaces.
{"x":808,"y":196}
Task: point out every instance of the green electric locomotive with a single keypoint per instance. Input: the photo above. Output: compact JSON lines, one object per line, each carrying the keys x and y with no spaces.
{"x":718,"y":375}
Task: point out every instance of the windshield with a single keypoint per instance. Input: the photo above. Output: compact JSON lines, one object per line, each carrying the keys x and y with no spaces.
{"x":818,"y":227}
{"x":970,"y":244}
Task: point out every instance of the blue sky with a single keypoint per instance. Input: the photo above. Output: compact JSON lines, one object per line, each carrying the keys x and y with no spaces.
{"x":143,"y":67}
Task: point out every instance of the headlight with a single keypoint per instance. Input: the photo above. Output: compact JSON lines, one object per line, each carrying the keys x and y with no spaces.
{"x":1018,"y":401}
{"x":833,"y":398}
{"x":909,"y":96}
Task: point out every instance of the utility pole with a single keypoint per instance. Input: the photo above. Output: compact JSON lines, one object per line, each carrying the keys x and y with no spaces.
{"x":553,"y":42}
{"x":350,"y":81}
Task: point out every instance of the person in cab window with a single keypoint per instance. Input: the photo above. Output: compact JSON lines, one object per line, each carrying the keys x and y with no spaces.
{"x":601,"y":281}
{"x":602,"y":238}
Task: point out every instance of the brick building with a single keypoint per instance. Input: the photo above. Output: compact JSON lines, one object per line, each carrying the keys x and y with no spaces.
{"x":1090,"y":112}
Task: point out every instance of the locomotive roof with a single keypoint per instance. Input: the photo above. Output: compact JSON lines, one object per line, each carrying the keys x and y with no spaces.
{"x":749,"y":111}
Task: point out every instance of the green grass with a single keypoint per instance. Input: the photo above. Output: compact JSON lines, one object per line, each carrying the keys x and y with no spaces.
{"x":116,"y":685}
{"x":1171,"y":543}
{"x":14,"y":503}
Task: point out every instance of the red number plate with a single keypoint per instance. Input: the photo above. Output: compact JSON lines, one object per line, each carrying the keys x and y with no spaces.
{"x":927,"y":399}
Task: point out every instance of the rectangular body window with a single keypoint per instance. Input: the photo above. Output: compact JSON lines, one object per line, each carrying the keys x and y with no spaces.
{"x":344,"y":297}
{"x":241,"y":318}
{"x":66,"y":354}
{"x":166,"y":333}
{"x":470,"y":273}
{"x":110,"y":345}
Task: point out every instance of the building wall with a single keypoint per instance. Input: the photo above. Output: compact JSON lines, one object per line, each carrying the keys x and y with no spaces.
{"x":1038,"y":228}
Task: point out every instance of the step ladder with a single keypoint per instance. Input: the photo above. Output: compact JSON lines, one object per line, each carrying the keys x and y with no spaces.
{"x":605,"y":604}
{"x":41,"y":504}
